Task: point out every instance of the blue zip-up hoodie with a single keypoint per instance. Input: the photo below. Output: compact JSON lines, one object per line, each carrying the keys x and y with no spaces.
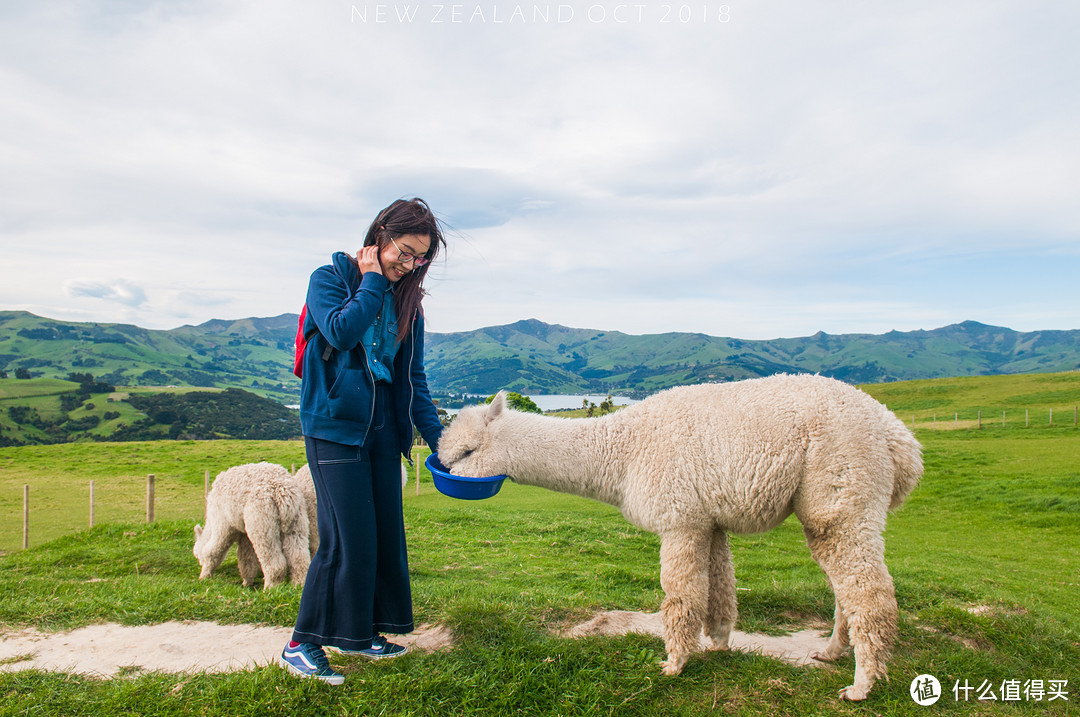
{"x":337,"y":395}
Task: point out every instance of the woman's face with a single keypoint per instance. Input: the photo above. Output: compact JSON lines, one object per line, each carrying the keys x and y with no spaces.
{"x":413,"y":245}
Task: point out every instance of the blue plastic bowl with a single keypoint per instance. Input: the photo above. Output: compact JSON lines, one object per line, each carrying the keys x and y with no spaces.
{"x":462,"y":487}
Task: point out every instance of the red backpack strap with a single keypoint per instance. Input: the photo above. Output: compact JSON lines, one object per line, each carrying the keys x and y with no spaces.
{"x":299,"y":345}
{"x":301,"y":342}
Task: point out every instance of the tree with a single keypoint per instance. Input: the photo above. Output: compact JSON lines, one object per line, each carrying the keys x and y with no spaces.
{"x":518,"y":402}
{"x":22,"y":373}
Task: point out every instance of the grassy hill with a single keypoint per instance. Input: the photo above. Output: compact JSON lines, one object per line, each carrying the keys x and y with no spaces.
{"x":526,"y":356}
{"x":44,"y":411}
{"x":252,"y":354}
{"x":531,"y":356}
{"x":1027,"y":396}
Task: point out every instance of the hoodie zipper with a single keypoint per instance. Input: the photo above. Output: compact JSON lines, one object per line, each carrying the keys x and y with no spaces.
{"x":412,"y":350}
{"x":371,"y":378}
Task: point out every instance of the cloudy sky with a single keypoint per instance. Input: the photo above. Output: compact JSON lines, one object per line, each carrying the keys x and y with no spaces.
{"x":753,"y":169}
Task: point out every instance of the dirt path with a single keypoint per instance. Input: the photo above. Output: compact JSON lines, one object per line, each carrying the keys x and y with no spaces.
{"x":795,"y":648}
{"x":109,"y":650}
{"x":189,"y":646}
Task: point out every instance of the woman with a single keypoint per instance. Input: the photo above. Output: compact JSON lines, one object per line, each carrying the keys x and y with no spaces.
{"x":363,"y":389}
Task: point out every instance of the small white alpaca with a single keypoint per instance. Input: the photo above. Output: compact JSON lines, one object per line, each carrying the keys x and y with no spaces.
{"x":262,"y":509}
{"x":695,"y":463}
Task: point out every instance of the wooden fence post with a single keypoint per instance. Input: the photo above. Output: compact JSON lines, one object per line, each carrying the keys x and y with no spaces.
{"x":1002,"y":419}
{"x":1025,"y":418}
{"x":980,"y":419}
{"x":25,"y":517}
{"x":150,"y":498}
{"x":206,"y":486}
{"x":1051,"y":416}
{"x":91,"y":504}
{"x":293,"y":470}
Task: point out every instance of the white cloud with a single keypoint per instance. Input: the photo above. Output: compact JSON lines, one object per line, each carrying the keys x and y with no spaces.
{"x":119,"y":291}
{"x":757,"y":177}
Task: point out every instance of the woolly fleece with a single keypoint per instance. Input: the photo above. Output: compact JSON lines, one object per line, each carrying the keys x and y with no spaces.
{"x":695,"y":463}
{"x":265,"y":511}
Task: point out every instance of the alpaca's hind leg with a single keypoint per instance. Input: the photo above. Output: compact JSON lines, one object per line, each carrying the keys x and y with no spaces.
{"x":839,"y":643}
{"x":294,"y":544}
{"x":264,"y":531}
{"x":720,"y":618}
{"x":854,"y":560}
{"x":684,"y":576}
{"x":247,"y":561}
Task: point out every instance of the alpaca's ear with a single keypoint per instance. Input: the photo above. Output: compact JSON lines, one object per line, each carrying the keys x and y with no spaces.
{"x":498,"y":405}
{"x":198,"y":532}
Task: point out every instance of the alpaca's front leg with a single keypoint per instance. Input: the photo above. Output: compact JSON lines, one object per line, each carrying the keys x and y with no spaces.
{"x":684,"y":575}
{"x":247,"y":561}
{"x":217,"y":545}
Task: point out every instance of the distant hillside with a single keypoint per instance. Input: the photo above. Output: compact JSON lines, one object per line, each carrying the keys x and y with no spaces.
{"x":527,"y":356}
{"x":531,"y":356}
{"x":253,"y":354}
{"x":48,"y":410}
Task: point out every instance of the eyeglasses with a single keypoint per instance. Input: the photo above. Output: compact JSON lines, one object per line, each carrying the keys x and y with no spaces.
{"x":405,"y":257}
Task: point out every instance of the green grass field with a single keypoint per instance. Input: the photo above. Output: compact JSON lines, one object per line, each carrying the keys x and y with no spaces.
{"x":984,"y":556}
{"x":1023,"y":401}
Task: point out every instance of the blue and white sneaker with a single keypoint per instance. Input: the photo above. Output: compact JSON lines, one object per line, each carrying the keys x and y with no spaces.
{"x":309,"y":660}
{"x":380,"y":649}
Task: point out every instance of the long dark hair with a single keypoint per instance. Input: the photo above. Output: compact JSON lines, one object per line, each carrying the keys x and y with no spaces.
{"x":407,"y":216}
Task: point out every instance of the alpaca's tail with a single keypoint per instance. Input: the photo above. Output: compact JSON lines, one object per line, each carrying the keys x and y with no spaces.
{"x":906,"y":455}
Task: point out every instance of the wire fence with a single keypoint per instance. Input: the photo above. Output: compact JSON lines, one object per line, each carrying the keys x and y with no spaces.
{"x":979,"y":419}
{"x":126,"y":499}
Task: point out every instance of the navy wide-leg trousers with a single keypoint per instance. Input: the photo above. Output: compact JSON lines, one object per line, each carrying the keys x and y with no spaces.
{"x":358,"y":582}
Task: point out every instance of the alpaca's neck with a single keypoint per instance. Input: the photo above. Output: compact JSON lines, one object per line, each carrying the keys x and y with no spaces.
{"x":567,"y":455}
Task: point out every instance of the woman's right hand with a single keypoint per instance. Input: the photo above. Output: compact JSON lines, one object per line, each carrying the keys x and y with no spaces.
{"x":367,"y":258}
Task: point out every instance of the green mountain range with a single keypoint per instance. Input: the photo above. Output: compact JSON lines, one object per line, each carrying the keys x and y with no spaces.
{"x":527,"y":356}
{"x":534,"y":357}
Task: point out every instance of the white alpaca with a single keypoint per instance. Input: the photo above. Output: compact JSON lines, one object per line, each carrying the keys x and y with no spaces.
{"x":697,"y":462}
{"x":264,"y":510}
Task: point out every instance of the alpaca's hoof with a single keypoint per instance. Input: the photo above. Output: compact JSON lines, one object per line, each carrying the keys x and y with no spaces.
{"x":851,"y":694}
{"x":719,"y":640}
{"x":830,"y":654}
{"x":671,"y":666}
